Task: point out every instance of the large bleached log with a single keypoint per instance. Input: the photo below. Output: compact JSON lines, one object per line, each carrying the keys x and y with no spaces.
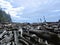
{"x":49,"y":36}
{"x":15,"y":38}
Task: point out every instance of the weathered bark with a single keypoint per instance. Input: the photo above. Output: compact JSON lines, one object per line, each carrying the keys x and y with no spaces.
{"x":49,"y":36}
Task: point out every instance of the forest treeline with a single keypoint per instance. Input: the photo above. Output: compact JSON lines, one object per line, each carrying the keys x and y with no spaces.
{"x":4,"y":17}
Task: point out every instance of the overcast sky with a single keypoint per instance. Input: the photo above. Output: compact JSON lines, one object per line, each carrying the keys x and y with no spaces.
{"x":32,"y":10}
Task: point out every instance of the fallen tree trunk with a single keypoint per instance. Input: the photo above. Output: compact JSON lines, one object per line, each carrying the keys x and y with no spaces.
{"x":49,"y":36}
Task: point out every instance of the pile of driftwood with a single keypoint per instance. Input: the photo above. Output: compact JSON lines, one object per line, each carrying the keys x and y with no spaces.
{"x":30,"y":34}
